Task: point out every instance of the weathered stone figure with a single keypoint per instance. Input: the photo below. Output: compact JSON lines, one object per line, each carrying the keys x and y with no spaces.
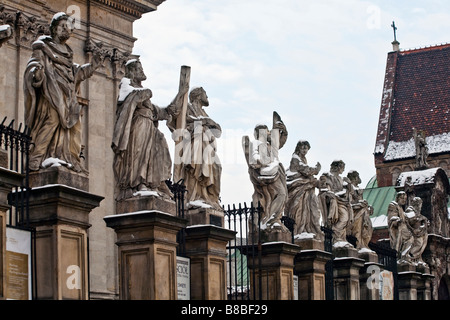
{"x":418,"y":225}
{"x":302,"y":204}
{"x":266,"y":172}
{"x":142,"y":160}
{"x":401,"y":238}
{"x":335,"y":203}
{"x":5,"y":33}
{"x":200,"y":165}
{"x":421,"y":149}
{"x":52,"y":112}
{"x":361,"y":228}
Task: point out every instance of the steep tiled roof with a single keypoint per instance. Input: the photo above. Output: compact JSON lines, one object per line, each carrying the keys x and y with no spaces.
{"x":416,"y":95}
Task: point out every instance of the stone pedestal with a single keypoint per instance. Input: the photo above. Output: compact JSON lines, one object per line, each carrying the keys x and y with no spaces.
{"x":414,"y":282}
{"x":8,"y":180}
{"x":198,"y":216}
{"x":424,"y":284}
{"x":274,"y":272}
{"x":147,"y":243}
{"x":145,"y":203}
{"x":206,"y":247}
{"x":408,"y":280}
{"x":309,"y":266}
{"x":369,"y":275}
{"x":346,"y":267}
{"x":60,"y":216}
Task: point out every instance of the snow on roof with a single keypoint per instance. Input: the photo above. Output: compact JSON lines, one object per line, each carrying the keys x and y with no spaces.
{"x":406,"y":149}
{"x":418,"y":177}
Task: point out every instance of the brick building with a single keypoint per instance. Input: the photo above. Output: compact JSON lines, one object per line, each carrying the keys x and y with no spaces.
{"x":416,"y":95}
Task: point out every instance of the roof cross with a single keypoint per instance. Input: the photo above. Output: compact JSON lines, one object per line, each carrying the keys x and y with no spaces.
{"x":395,"y":30}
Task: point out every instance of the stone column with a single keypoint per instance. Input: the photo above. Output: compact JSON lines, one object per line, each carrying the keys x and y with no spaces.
{"x":147,"y":243}
{"x":274,"y":272}
{"x":60,"y":215}
{"x":206,"y":247}
{"x":369,"y":286}
{"x":346,"y":267}
{"x":8,"y":180}
{"x":309,"y":266}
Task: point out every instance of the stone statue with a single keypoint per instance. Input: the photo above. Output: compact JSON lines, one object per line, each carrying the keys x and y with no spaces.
{"x":401,"y":238}
{"x":200,"y":165}
{"x":361,"y":228}
{"x":51,"y":83}
{"x":334,"y":196}
{"x":267,"y":173}
{"x":418,"y":225}
{"x":142,"y":160}
{"x":302,"y":204}
{"x":421,"y":149}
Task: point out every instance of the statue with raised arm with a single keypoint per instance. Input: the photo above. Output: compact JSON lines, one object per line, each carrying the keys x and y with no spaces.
{"x":52,"y":111}
{"x":199,"y":164}
{"x":335,"y":203}
{"x":142,"y":162}
{"x":361,"y":228}
{"x":267,"y":173}
{"x":302,"y":204}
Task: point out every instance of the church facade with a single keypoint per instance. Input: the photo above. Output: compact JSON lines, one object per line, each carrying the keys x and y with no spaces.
{"x":104,"y":28}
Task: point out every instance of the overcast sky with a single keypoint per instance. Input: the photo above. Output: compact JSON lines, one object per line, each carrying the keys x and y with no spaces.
{"x":319,"y":64}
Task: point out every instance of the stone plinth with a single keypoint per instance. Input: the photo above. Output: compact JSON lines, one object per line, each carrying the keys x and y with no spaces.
{"x":309,"y":266}
{"x":369,"y":275}
{"x":274,"y":275}
{"x":60,"y":215}
{"x":414,"y":282}
{"x":59,"y":175}
{"x":145,"y":203}
{"x":206,"y":247}
{"x":198,"y":216}
{"x":147,"y":243}
{"x":346,"y":267}
{"x":8,"y":180}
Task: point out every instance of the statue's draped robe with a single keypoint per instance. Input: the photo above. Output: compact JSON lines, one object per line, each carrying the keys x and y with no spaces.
{"x":302,"y":205}
{"x":269,"y":181}
{"x":52,"y":111}
{"x":336,"y":207}
{"x":142,"y":155}
{"x":200,"y":165}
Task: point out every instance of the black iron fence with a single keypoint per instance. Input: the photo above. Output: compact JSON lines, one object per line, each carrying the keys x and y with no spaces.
{"x":245,"y":274}
{"x":15,"y":147}
{"x":179,"y":189}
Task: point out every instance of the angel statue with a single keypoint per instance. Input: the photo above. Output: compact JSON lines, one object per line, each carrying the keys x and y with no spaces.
{"x":267,"y":173}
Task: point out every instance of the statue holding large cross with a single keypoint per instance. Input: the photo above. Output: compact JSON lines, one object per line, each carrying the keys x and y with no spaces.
{"x":196,"y":161}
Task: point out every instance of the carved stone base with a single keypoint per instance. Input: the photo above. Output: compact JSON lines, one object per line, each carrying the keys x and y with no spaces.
{"x":59,"y":175}
{"x":276,"y":234}
{"x":309,"y":244}
{"x":142,"y":203}
{"x":197,"y":216}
